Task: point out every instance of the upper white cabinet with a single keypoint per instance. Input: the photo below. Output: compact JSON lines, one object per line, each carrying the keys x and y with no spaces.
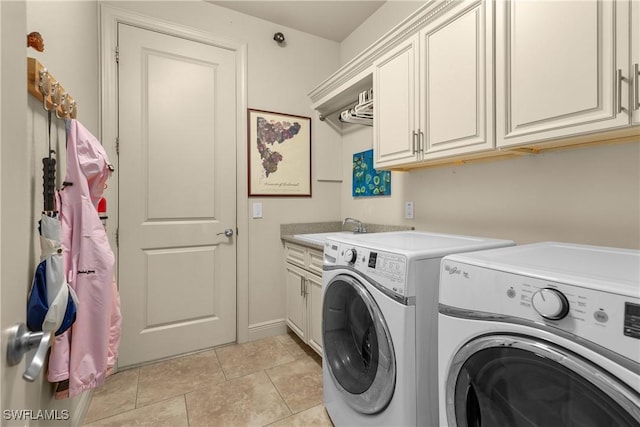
{"x":433,"y":92}
{"x":562,"y":68}
{"x":456,"y":74}
{"x":461,"y":80}
{"x":635,"y":61}
{"x":395,"y":93}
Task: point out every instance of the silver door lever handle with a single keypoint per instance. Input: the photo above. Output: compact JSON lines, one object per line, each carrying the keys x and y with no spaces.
{"x":20,"y":341}
{"x":228,"y":232}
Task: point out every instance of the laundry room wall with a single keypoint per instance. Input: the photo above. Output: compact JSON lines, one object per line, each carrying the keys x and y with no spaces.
{"x":585,"y":195}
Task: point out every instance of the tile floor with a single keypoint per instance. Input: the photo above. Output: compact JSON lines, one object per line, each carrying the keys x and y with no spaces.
{"x":275,"y":381}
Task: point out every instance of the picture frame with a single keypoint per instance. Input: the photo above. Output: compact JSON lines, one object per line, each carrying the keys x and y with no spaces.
{"x":279,"y":154}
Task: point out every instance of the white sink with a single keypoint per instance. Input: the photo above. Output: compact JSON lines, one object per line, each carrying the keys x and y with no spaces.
{"x":319,"y":238}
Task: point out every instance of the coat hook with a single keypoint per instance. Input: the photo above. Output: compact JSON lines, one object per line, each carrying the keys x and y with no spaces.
{"x":44,"y":82}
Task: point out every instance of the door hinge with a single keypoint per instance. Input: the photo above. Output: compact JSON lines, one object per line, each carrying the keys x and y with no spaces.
{"x":117,"y":237}
{"x":117,"y":145}
{"x":117,"y":54}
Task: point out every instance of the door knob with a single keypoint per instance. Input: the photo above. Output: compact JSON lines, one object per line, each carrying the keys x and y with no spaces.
{"x":228,"y":232}
{"x":20,"y":341}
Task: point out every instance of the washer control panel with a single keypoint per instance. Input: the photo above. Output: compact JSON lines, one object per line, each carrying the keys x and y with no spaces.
{"x":606,"y":318}
{"x":385,"y":268}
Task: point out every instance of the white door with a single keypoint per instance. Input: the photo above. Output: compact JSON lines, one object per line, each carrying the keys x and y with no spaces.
{"x":557,"y":68}
{"x":177,"y":195}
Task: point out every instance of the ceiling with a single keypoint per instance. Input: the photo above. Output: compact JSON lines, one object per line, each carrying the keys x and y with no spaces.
{"x":330,"y":19}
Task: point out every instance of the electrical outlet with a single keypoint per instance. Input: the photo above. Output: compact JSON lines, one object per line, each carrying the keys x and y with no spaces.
{"x":408,"y":210}
{"x":257,"y":210}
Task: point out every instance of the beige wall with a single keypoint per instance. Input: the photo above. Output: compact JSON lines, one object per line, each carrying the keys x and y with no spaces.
{"x":588,"y":195}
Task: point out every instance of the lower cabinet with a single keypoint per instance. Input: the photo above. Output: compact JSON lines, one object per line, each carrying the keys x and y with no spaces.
{"x":304,"y":294}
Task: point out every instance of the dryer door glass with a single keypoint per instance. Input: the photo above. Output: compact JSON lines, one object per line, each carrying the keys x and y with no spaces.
{"x":357,"y":345}
{"x":507,"y":386}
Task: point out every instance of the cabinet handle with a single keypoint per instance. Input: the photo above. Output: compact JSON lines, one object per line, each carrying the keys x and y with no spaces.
{"x":421,"y":140}
{"x":636,"y":87}
{"x":301,"y":286}
{"x":415,"y":136}
{"x":306,"y":292}
{"x":620,"y":79}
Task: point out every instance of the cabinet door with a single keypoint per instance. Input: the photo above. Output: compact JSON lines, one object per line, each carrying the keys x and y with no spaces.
{"x":557,"y":68}
{"x":395,"y":93}
{"x":296,"y":302}
{"x":456,"y":74}
{"x":314,"y":304}
{"x":635,"y":60}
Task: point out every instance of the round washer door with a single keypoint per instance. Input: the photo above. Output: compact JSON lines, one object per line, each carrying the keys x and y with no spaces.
{"x":357,"y":345}
{"x":502,"y":380}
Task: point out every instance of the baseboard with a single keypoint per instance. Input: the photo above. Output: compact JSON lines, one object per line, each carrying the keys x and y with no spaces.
{"x":267,"y":329}
{"x":80,"y":412}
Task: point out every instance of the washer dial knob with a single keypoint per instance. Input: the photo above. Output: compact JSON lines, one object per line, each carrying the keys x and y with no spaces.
{"x":350,"y":255}
{"x":550,"y":303}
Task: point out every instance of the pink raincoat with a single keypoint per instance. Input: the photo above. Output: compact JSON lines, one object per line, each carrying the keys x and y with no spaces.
{"x":86,"y":353}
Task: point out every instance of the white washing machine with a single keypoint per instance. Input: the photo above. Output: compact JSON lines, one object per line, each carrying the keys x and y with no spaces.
{"x":546,"y":334}
{"x":379,"y":311}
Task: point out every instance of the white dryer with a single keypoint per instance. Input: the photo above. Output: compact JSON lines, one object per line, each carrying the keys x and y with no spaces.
{"x":546,"y":334}
{"x":379,"y":312}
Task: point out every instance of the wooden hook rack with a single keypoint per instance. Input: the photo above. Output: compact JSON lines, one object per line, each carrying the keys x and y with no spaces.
{"x":45,"y":87}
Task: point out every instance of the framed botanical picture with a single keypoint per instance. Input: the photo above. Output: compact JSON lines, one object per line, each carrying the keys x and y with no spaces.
{"x":279,"y":150}
{"x":368,"y":181}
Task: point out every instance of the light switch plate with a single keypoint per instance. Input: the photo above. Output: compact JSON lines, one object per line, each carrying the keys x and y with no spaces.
{"x":408,"y":210}
{"x":257,"y":210}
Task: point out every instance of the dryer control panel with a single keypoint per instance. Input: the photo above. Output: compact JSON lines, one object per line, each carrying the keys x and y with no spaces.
{"x":608,"y":319}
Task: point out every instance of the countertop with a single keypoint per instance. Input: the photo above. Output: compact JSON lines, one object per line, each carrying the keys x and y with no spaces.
{"x":289,"y":231}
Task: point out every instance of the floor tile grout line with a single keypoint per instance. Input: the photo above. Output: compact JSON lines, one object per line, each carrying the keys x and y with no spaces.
{"x":138,"y":386}
{"x":281,"y":397}
{"x":129,"y":410}
{"x":186,"y":409}
{"x":197,"y":388}
{"x":108,"y":416}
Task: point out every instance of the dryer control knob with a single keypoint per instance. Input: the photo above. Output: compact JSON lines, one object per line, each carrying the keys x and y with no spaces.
{"x":550,"y":303}
{"x":350,"y":256}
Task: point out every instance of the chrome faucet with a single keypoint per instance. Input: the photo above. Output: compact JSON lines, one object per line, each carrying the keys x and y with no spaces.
{"x":360,"y":228}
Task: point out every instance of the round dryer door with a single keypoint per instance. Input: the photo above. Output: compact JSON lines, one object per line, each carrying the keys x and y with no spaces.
{"x":357,"y":345}
{"x":504,"y":380}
